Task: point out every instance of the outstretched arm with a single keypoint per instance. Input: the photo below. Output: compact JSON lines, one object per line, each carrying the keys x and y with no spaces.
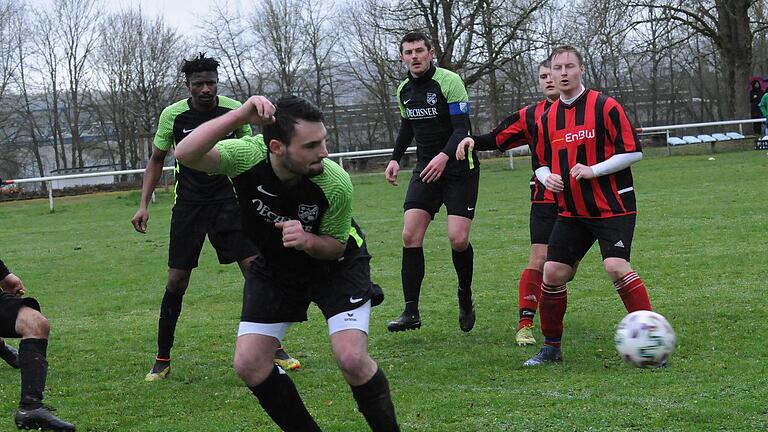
{"x":197,"y":149}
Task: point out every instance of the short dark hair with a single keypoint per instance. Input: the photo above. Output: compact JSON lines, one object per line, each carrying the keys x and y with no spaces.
{"x":288,"y":111}
{"x":562,"y":49}
{"x":201,"y":63}
{"x":415,"y":36}
{"x":546,"y":63}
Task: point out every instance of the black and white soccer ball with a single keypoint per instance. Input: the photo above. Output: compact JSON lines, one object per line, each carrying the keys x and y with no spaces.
{"x":645,"y":339}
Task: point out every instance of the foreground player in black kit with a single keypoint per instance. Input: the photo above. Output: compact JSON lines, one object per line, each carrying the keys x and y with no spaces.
{"x":204,"y":205}
{"x":20,"y":317}
{"x":297,"y":209}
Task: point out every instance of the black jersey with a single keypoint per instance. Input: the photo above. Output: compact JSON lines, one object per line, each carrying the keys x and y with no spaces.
{"x":322,"y":203}
{"x":176,"y":122}
{"x":434,"y":110}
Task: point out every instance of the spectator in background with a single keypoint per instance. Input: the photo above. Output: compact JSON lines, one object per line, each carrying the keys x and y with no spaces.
{"x":763,"y":105}
{"x":755,"y":97}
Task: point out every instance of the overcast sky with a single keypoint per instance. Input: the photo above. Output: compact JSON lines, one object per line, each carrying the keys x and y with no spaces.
{"x":180,"y":14}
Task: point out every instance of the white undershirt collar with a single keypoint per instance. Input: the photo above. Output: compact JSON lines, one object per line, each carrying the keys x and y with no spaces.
{"x":573,"y":99}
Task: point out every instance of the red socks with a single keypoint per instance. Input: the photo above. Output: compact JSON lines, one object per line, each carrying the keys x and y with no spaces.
{"x":554,"y":301}
{"x":529,"y":294}
{"x":632,"y":292}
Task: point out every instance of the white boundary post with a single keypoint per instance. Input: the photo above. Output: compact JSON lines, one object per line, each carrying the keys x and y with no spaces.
{"x":50,"y":196}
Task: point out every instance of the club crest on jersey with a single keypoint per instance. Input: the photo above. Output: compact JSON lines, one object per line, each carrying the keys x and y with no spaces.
{"x":308,"y":213}
{"x":431,"y":98}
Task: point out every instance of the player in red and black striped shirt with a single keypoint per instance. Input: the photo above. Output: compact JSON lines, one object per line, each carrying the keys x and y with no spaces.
{"x":514,"y":131}
{"x":585,"y":146}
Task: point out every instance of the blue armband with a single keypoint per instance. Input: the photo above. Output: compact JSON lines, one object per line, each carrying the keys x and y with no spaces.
{"x":458,"y":108}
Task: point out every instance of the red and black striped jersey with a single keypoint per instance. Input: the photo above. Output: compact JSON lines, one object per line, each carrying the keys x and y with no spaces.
{"x":590,"y":130}
{"x":518,"y":130}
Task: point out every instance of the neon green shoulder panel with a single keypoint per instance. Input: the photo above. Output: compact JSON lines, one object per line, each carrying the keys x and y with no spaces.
{"x":399,"y":102}
{"x":238,"y":155}
{"x":337,"y":186}
{"x":164,"y":139}
{"x":451,"y":85}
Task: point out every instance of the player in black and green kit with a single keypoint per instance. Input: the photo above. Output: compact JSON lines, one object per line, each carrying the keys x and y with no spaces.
{"x":204,"y":204}
{"x":434,"y":111}
{"x":297,"y":208}
{"x":20,"y":317}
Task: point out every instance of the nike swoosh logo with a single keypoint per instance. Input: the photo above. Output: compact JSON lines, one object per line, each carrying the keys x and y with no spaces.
{"x":260,"y":188}
{"x":355,"y":300}
{"x":406,"y":102}
{"x":470,"y":208}
{"x":187,"y":130}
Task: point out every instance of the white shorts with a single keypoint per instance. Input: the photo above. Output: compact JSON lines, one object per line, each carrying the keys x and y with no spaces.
{"x":355,"y":319}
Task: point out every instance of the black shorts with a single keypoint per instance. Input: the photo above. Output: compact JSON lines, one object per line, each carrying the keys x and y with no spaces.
{"x":9,"y":310}
{"x":572,"y":237}
{"x":543,"y":217}
{"x":274,"y":296}
{"x":459,"y":194}
{"x":221,"y":222}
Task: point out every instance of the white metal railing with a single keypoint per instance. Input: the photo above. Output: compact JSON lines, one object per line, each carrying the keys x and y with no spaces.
{"x":50,"y":179}
{"x":360,"y":154}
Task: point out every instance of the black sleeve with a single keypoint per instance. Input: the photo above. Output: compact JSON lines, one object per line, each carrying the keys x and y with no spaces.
{"x":485,"y":142}
{"x":460,"y":123}
{"x":3,"y":270}
{"x":404,"y":139}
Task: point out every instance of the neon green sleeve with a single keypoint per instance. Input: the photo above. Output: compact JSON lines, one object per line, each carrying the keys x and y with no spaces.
{"x":337,"y":187}
{"x":238,"y":155}
{"x":400,"y":105}
{"x":164,"y":136}
{"x":764,"y":105}
{"x":451,"y":85}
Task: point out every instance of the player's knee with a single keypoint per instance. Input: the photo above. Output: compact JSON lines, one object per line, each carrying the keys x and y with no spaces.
{"x":616,"y":268}
{"x":351,"y":362}
{"x":177,"y":284}
{"x":412,"y":238}
{"x":556,"y":273}
{"x":32,"y":324}
{"x":459,"y":242}
{"x":250,"y":369}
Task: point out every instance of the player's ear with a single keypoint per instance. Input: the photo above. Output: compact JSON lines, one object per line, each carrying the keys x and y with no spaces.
{"x":276,"y":147}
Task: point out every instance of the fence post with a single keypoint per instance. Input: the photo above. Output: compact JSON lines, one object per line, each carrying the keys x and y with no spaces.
{"x":669,"y":149}
{"x":511,"y":160}
{"x":50,"y":196}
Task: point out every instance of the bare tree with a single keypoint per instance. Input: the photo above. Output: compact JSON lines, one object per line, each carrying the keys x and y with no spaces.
{"x":22,"y":56}
{"x":376,"y":68}
{"x":280,"y":26}
{"x":76,"y":30}
{"x":50,"y":55}
{"x":157,"y":81}
{"x":726,"y":23}
{"x":227,"y":34}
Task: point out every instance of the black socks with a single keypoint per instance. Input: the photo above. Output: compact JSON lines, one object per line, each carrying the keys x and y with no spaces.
{"x":170,"y":310}
{"x":412,"y":275}
{"x":280,"y":399}
{"x":375,"y":402}
{"x":34,"y":371}
{"x":463,"y":262}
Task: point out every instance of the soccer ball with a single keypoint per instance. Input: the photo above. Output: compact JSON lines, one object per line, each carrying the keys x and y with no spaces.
{"x":645,"y":339}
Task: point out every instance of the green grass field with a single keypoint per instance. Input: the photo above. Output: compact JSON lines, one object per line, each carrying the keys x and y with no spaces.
{"x":700,"y":246}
